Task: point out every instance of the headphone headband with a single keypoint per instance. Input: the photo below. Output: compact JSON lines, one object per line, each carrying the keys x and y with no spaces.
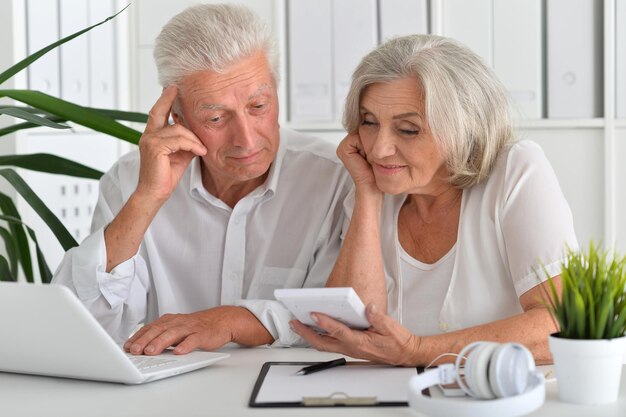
{"x":506,"y":371}
{"x":517,"y":405}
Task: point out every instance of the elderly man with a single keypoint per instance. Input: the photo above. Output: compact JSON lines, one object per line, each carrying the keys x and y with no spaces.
{"x":215,"y":211}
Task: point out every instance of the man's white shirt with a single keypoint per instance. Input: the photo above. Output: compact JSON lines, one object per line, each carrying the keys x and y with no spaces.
{"x":199,"y":253}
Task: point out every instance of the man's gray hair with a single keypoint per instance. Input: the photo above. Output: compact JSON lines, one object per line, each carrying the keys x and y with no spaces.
{"x":467,"y":107}
{"x":211,"y":37}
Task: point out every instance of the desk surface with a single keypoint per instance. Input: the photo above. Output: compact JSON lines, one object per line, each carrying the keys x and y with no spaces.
{"x":219,"y":390}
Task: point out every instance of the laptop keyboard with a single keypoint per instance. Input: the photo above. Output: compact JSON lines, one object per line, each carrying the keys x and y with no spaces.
{"x":147,"y":362}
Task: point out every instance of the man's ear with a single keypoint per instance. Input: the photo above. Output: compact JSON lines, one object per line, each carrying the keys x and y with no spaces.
{"x":176,"y":113}
{"x":177,"y":118}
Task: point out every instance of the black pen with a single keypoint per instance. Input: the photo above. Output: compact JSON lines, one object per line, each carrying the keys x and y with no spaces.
{"x":321,"y":366}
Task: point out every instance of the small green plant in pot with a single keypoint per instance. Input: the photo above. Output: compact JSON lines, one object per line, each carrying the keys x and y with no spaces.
{"x":591,"y":314}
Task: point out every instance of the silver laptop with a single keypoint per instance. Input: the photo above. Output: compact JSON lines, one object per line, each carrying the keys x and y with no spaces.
{"x":46,"y":330}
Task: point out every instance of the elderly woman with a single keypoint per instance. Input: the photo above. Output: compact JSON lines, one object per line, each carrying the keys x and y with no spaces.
{"x":453,"y":223}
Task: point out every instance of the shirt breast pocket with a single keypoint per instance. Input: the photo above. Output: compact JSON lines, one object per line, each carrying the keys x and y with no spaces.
{"x":272,"y":278}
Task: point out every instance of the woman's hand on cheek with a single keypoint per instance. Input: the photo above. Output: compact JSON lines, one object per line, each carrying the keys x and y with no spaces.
{"x":386,"y":341}
{"x":352,"y":154}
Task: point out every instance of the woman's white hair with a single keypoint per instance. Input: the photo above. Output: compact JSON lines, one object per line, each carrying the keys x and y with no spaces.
{"x":211,"y":37}
{"x":466,"y":106}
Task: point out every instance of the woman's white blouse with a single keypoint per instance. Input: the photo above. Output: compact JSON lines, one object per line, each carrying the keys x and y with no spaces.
{"x":513,"y":225}
{"x":425,"y":285}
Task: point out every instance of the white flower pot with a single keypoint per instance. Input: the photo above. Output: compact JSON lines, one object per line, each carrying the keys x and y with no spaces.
{"x":588,"y":371}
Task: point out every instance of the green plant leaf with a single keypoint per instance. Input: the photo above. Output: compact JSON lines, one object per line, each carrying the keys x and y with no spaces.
{"x":44,"y":270}
{"x":5,"y":271}
{"x":21,"y":242}
{"x":552,"y":293}
{"x":128,"y":116}
{"x":618,"y":329}
{"x":10,"y":246}
{"x":591,"y":308}
{"x":26,"y":125}
{"x":579,"y":312}
{"x":84,"y":116}
{"x":60,"y":232}
{"x":52,"y":164}
{"x":114,"y":114}
{"x":28,"y":109}
{"x":32,"y":118}
{"x":35,"y":56}
{"x":593,"y":299}
{"x":565,"y":306}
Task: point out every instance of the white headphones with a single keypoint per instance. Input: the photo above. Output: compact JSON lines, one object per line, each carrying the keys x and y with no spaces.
{"x":503,"y":374}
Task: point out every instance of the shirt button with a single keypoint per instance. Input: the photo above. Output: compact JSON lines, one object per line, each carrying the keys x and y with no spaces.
{"x":237,"y":221}
{"x":233,"y":276}
{"x":443,"y":326}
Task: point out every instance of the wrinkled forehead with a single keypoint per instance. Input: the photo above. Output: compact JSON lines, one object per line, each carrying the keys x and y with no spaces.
{"x":242,"y":82}
{"x":405,"y":95}
{"x":219,"y":101}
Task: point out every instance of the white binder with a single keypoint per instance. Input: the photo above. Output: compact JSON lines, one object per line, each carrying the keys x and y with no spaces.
{"x":101,"y":55}
{"x":402,"y":17}
{"x":517,"y":52}
{"x":310,"y":60}
{"x":43,"y":23}
{"x":507,"y":35}
{"x":355,"y":34}
{"x":74,"y":54}
{"x":574,"y":58}
{"x":470,"y":22}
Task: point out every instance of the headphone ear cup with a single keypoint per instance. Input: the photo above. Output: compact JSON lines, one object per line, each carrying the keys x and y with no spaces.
{"x":477,"y":370}
{"x":511,"y":366}
{"x":498,"y":369}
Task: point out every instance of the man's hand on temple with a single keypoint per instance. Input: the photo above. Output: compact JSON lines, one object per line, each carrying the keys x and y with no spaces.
{"x":165,"y":149}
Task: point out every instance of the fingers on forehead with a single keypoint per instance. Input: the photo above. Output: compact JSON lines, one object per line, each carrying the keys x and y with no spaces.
{"x":160,"y":112}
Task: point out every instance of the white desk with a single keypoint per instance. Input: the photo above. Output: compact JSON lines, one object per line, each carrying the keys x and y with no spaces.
{"x":219,"y":390}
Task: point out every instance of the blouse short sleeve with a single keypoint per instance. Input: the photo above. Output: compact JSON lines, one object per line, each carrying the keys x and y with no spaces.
{"x":535,"y":219}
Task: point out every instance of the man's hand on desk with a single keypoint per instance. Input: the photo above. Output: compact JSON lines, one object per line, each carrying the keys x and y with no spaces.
{"x":206,"y":330}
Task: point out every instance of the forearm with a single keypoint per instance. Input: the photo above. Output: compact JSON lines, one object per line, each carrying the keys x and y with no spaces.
{"x":360,"y":262}
{"x":124,"y":234}
{"x":530,"y":328}
{"x":247,"y":330}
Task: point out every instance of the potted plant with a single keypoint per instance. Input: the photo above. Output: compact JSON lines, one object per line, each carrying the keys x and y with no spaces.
{"x":591,"y":314}
{"x":43,"y":110}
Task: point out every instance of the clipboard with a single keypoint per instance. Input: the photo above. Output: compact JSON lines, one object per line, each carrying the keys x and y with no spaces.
{"x":357,"y":384}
